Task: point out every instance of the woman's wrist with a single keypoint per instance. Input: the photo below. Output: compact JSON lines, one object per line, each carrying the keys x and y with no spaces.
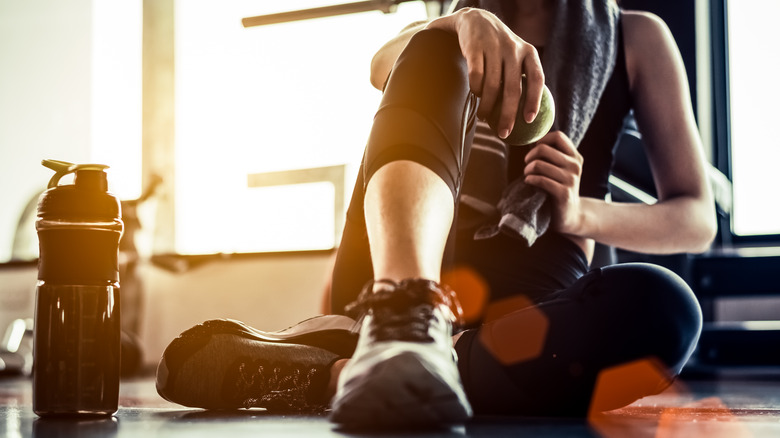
{"x":585,"y":225}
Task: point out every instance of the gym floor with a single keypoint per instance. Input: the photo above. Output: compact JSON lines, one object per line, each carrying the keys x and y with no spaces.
{"x":723,"y":407}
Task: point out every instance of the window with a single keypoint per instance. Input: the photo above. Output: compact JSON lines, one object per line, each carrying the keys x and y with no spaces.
{"x":270,"y":121}
{"x":753,"y":92}
{"x":253,"y":104}
{"x":116,"y":92}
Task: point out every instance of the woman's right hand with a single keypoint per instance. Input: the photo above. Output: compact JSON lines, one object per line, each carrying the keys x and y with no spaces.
{"x":496,"y":59}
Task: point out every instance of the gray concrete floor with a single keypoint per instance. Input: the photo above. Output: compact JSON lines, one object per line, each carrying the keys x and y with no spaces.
{"x":723,"y":408}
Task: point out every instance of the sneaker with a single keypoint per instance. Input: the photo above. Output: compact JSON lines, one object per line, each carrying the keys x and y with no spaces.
{"x":225,"y":364}
{"x":404,"y":371}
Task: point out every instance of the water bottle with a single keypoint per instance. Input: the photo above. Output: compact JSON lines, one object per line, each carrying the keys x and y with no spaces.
{"x":76,"y":333}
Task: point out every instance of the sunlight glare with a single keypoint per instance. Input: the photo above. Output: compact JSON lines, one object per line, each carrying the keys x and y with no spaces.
{"x":754,"y":94}
{"x":264,"y":99}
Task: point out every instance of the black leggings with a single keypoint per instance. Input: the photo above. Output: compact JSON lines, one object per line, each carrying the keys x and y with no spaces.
{"x":427,"y":115}
{"x":623,"y":330}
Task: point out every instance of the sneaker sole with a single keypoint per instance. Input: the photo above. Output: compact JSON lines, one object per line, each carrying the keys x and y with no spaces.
{"x":401,"y":393}
{"x":330,"y":332}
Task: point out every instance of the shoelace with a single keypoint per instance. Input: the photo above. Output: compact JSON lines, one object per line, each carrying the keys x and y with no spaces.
{"x":404,"y":310}
{"x":277,"y":387}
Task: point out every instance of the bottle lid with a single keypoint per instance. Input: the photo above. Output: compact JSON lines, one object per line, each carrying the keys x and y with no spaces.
{"x":86,"y":199}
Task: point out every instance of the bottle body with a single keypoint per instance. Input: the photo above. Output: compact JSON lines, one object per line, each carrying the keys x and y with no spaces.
{"x":76,"y":349}
{"x":76,"y":346}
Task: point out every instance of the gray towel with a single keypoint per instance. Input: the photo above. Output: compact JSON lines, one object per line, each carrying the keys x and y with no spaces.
{"x":578,"y":61}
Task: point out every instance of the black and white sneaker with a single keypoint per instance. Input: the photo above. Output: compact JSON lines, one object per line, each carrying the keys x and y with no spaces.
{"x":404,"y":371}
{"x":225,"y":364}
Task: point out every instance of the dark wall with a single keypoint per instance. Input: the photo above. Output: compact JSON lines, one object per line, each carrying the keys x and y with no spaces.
{"x":680,"y":15}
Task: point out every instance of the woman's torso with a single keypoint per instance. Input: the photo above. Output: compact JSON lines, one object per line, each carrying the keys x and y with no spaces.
{"x":555,"y":260}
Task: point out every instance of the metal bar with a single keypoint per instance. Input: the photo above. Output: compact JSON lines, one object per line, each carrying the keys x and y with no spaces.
{"x":385,"y":6}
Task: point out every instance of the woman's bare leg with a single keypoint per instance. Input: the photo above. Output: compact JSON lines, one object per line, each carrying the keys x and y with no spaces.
{"x":402,"y":371}
{"x":409,"y":211}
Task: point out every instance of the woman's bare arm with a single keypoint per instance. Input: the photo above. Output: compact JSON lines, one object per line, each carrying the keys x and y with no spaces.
{"x":384,"y":59}
{"x":683,"y":219}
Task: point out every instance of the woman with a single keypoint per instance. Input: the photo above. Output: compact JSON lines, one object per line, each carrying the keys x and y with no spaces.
{"x":552,"y":330}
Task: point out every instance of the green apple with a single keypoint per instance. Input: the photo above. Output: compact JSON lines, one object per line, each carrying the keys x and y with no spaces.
{"x":526,"y":133}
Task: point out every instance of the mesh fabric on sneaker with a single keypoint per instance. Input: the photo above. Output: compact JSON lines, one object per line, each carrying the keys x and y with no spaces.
{"x":224,"y":364}
{"x":402,"y":311}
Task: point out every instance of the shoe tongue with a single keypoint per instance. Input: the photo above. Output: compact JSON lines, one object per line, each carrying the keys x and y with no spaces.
{"x":403,"y":298}
{"x":397,"y":297}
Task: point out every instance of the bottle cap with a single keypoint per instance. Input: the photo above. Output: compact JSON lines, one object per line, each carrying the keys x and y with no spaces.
{"x":76,"y":254}
{"x":86,"y":199}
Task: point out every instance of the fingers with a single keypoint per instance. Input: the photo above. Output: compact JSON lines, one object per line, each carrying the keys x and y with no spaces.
{"x":497,"y":59}
{"x":554,"y":164}
{"x":556,"y":189}
{"x":553,"y":140}
{"x":502,"y":85}
{"x":509,"y":102}
{"x":475,"y":60}
{"x":552,"y":179}
{"x":492,"y":84}
{"x":535,"y":85}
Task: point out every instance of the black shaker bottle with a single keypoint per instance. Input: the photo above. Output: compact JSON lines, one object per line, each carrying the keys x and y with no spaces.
{"x":76,"y":333}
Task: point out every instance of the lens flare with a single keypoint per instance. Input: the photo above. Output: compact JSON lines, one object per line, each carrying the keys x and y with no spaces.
{"x":708,"y":417}
{"x":677,"y":413}
{"x":514,"y":331}
{"x":623,"y":384}
{"x":472,"y":291}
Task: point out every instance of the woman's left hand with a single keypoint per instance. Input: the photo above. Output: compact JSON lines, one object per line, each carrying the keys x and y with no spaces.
{"x":555,"y":166}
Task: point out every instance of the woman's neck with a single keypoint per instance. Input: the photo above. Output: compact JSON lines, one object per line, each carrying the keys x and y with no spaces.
{"x":533,"y":20}
{"x":531,"y":8}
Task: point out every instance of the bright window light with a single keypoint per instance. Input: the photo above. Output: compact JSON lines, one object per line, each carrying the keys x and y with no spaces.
{"x":116,"y":92}
{"x":268,"y":99}
{"x":753,"y":37}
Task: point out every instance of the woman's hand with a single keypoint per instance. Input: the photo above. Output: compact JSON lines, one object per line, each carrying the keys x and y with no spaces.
{"x":555,"y":166}
{"x":496,"y":59}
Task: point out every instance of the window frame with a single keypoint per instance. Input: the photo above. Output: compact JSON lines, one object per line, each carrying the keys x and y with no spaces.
{"x":721,"y":116}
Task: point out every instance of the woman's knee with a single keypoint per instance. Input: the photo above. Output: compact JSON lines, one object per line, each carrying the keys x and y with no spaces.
{"x":426,"y":109}
{"x":654,"y":286}
{"x":430,"y":75}
{"x":662,"y":308}
{"x":433,"y":50}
